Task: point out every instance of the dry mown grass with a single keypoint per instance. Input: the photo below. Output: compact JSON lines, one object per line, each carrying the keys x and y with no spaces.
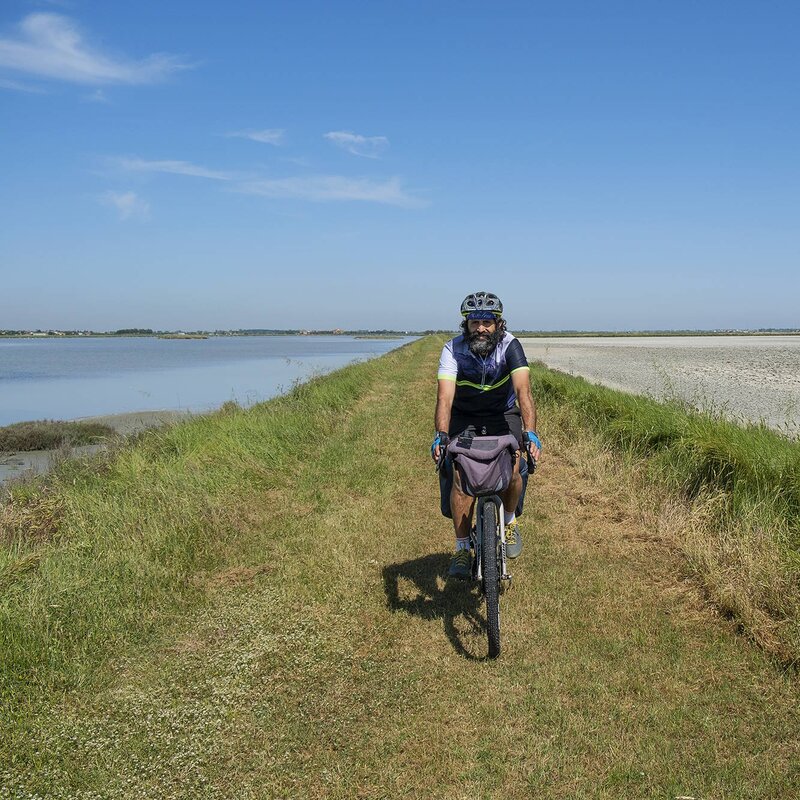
{"x":739,"y":564}
{"x":724,"y":497}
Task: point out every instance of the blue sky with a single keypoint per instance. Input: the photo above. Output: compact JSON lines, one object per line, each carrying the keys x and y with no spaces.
{"x":614,"y":165}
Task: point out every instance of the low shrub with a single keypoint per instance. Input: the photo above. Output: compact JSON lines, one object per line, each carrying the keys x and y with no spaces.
{"x":50,"y":435}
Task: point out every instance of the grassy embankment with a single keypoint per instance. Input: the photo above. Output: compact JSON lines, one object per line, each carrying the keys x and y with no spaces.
{"x":50,"y":435}
{"x":252,"y":604}
{"x":728,"y":495}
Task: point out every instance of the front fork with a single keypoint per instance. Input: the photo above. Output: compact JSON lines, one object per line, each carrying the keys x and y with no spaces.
{"x":476,"y":538}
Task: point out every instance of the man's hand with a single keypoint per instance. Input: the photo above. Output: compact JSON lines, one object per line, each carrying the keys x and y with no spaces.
{"x":440,"y":441}
{"x":534,"y":445}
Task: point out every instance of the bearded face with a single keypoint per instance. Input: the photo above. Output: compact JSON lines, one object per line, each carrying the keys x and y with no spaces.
{"x":482,"y":340}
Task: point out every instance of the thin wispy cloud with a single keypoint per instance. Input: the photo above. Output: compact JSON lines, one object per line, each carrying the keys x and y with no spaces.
{"x":273,"y":136}
{"x":52,"y":46}
{"x":314,"y":188}
{"x":364,"y":146}
{"x":296,"y":161}
{"x":18,"y":86}
{"x":97,"y":96}
{"x":172,"y":168}
{"x":128,"y":205}
{"x":331,"y":188}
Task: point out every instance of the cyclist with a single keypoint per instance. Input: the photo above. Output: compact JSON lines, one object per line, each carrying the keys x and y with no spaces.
{"x":484,"y":386}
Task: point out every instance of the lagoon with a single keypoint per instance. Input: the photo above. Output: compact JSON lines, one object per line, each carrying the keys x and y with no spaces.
{"x":70,"y":378}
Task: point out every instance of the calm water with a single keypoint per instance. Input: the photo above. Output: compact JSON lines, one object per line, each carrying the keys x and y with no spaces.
{"x":72,"y":378}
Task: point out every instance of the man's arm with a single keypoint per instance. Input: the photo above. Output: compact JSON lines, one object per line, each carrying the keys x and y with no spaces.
{"x":447,"y":374}
{"x":444,"y":404}
{"x":521,"y":379}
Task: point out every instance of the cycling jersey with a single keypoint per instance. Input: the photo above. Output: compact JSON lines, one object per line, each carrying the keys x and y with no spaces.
{"x":483,"y":385}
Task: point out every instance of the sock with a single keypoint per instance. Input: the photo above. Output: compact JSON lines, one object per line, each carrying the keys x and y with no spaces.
{"x":508,"y":517}
{"x":462,"y":544}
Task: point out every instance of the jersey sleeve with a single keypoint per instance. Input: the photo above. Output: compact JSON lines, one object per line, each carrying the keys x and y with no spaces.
{"x":448,"y":366}
{"x":515,"y":357}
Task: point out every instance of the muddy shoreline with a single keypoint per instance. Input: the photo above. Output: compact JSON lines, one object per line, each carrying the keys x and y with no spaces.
{"x":746,"y":378}
{"x":22,"y":465}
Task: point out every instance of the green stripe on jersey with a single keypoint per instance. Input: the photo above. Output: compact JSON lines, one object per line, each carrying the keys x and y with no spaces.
{"x":485,"y":387}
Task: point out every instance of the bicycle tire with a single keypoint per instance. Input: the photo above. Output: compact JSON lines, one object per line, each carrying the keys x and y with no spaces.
{"x":491,"y":575}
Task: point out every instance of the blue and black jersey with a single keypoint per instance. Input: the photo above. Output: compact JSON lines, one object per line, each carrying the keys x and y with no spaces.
{"x":483,"y":385}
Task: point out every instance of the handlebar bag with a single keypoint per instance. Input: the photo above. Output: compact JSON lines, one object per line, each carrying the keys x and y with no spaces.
{"x":446,"y":484}
{"x":485,"y":463}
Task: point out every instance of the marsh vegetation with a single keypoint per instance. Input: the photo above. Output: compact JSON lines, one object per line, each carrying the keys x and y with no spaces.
{"x":51,"y":435}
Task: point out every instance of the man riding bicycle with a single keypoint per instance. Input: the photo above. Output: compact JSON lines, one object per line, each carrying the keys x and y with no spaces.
{"x":484,"y":389}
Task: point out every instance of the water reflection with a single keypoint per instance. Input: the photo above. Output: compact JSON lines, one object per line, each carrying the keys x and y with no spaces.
{"x":75,"y":378}
{"x":67,"y":379}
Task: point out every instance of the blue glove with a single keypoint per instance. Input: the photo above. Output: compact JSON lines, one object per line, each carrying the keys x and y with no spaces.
{"x":442,"y":439}
{"x":532,"y":438}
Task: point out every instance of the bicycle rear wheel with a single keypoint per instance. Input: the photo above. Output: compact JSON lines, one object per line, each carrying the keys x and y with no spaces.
{"x":491,"y":574}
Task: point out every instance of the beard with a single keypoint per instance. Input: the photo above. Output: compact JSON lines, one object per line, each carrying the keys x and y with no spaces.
{"x":481,"y":344}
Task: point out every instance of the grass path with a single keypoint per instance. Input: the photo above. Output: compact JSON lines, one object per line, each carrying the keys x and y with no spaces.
{"x":334,"y":662}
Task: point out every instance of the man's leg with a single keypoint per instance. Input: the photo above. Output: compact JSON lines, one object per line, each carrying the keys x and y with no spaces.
{"x":510,"y":496}
{"x":461,"y":509}
{"x":510,"y":499}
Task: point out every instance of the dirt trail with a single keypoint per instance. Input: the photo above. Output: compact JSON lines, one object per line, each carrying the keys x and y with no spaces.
{"x":345,"y":666}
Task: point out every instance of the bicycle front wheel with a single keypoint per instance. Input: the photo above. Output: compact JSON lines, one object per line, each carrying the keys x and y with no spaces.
{"x":490,"y":539}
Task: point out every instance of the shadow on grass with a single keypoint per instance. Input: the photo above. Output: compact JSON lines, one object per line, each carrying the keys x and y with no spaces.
{"x":428,"y":600}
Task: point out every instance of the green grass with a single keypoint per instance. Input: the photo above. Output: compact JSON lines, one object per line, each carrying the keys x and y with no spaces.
{"x":51,"y":435}
{"x":253,"y":605}
{"x":694,"y":450}
{"x":739,"y":485}
{"x":114,"y":548}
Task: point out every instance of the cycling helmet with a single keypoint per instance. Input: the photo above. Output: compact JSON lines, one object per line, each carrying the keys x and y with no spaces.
{"x":482,"y":303}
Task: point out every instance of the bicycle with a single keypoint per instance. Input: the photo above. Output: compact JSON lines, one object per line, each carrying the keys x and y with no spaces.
{"x":486,"y":466}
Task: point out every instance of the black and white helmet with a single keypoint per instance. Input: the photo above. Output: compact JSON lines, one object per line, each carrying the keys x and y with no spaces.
{"x":481,"y":303}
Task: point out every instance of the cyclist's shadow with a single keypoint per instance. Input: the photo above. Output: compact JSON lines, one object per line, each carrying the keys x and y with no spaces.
{"x":427,"y":593}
